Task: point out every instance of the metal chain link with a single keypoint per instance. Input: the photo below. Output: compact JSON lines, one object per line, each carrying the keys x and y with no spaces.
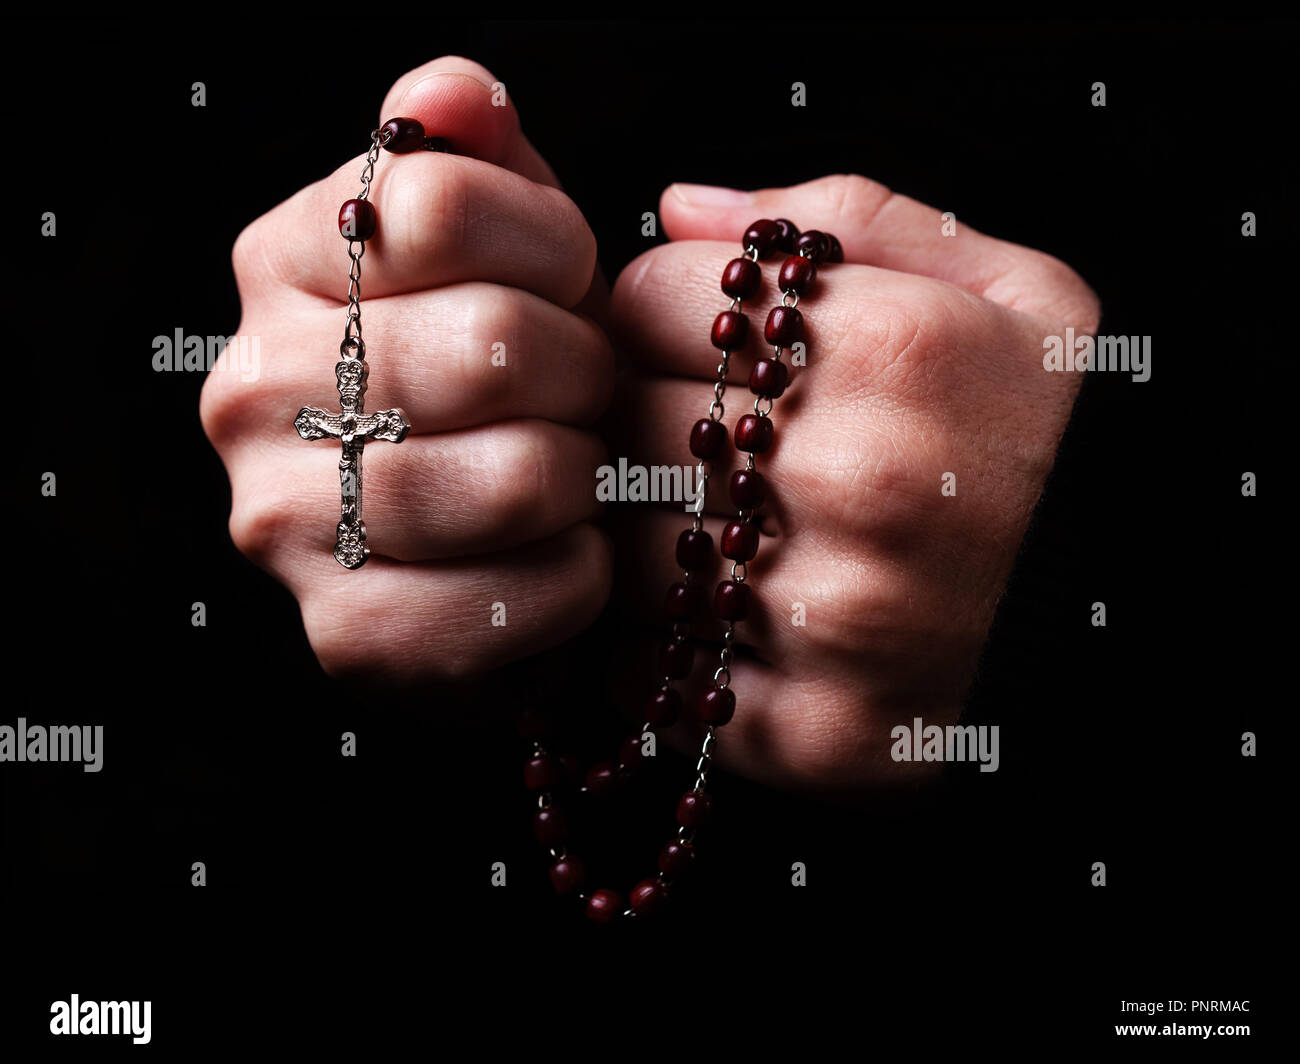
{"x":357,"y":248}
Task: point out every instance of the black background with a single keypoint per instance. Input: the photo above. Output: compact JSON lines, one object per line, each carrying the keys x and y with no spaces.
{"x":351,"y":896}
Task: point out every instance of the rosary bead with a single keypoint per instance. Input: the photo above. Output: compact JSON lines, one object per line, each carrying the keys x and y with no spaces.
{"x":730,"y":330}
{"x":789,"y":234}
{"x":694,"y":549}
{"x":676,"y":658}
{"x":602,"y":778}
{"x":815,"y":244}
{"x":629,"y":754}
{"x":716,"y":706}
{"x":768,"y":378}
{"x":731,"y":600}
{"x":741,"y":279}
{"x":676,"y":858}
{"x":694,"y":809}
{"x":550,"y":827}
{"x":739,"y":541}
{"x":836,"y":253}
{"x":605,"y":906}
{"x":762,"y":237}
{"x":748,"y":489}
{"x":664,"y":708}
{"x":754,"y":433}
{"x":406,"y":135}
{"x":784,"y":326}
{"x":708,"y":438}
{"x":797,"y":275}
{"x":567,"y":875}
{"x":541,"y":772}
{"x":682,"y":601}
{"x":358,"y":219}
{"x":647,"y":897}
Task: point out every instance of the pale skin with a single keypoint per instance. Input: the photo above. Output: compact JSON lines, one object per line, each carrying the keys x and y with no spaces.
{"x":924,"y":358}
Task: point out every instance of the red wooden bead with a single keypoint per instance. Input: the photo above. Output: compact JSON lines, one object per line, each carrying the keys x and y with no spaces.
{"x":550,"y":827}
{"x":664,"y":708}
{"x":708,"y":438}
{"x":567,"y":875}
{"x":605,"y":906}
{"x":683,"y":601}
{"x":748,"y":489}
{"x":676,"y":858}
{"x":784,"y":326}
{"x":740,"y":541}
{"x":405,"y":135}
{"x":694,"y":549}
{"x":541,"y":772}
{"x":754,"y":433}
{"x":629,"y":754}
{"x":358,"y":220}
{"x":717,"y":705}
{"x":730,"y":330}
{"x":789,"y":234}
{"x":836,"y":253}
{"x":762,"y":237}
{"x":602,"y":778}
{"x":815,"y":244}
{"x":676,"y":658}
{"x":768,"y":378}
{"x":797,"y":275}
{"x":731,"y":600}
{"x":741,"y":279}
{"x":694,"y":809}
{"x":647,"y":897}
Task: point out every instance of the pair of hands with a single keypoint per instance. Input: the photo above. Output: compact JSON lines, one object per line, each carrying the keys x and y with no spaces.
{"x":924,"y":358}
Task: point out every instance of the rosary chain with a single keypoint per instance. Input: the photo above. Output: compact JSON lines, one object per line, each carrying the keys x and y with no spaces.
{"x":763,"y":406}
{"x":357,"y":248}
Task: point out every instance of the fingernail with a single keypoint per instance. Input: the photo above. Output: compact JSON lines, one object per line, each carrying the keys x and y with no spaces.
{"x":415,"y":85}
{"x":712,"y":196}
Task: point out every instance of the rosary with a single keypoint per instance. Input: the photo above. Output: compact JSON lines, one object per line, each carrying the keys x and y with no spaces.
{"x":545,"y":774}
{"x":358,"y":221}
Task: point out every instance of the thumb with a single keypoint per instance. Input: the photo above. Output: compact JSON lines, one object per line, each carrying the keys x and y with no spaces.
{"x":463,"y":102}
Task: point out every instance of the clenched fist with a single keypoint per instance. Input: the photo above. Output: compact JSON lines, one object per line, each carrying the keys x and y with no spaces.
{"x":874,"y":587}
{"x":468,"y":290}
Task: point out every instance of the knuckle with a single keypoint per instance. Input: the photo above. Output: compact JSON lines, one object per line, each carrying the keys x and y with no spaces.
{"x":250,"y":256}
{"x":822,"y":745}
{"x":855,"y":200}
{"x":494,"y":316}
{"x":521,"y":469}
{"x":220,"y":401}
{"x":257,"y":524}
{"x":1075,"y":302}
{"x":342,"y":649}
{"x":427,"y":206}
{"x":577,"y":249}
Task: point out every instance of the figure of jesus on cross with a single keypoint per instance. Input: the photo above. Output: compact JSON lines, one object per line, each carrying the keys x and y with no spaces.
{"x":352,"y":428}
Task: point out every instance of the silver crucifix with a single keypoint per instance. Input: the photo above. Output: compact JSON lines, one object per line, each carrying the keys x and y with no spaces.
{"x":352,"y":428}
